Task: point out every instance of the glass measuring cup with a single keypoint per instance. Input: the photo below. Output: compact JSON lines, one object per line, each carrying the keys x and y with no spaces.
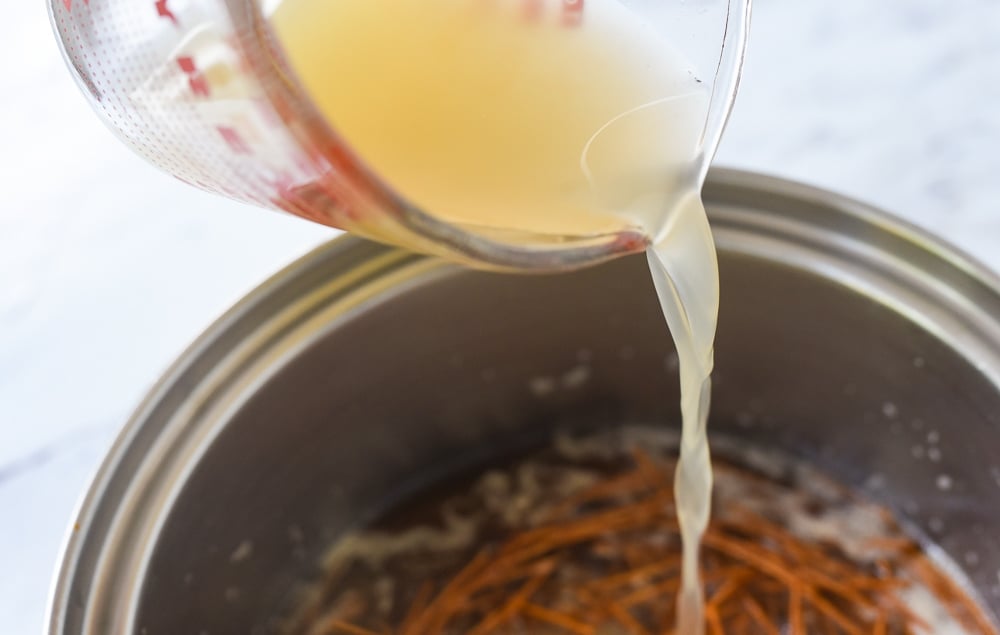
{"x":204,"y":90}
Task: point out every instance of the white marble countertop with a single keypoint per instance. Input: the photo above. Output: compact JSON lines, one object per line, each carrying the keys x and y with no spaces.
{"x":109,"y":268}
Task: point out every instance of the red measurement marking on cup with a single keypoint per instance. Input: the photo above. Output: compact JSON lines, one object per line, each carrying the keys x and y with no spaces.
{"x":233,"y":139}
{"x":630,"y":243}
{"x":196,"y":80}
{"x":304,"y":162}
{"x":306,"y":200}
{"x":164,"y":11}
{"x":572,"y":12}
{"x":533,"y":9}
{"x":284,"y":198}
{"x":69,"y":4}
{"x":343,"y":162}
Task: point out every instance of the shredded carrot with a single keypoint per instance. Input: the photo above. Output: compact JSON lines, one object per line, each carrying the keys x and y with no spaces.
{"x":831,"y":612}
{"x":636,"y":575}
{"x":663,"y":591}
{"x":555,"y":618}
{"x":881,"y":628}
{"x":796,"y":624}
{"x":758,"y":615}
{"x":511,"y":608}
{"x":608,"y":555}
{"x":626,"y":619}
{"x":347,"y":627}
{"x":713,"y":620}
